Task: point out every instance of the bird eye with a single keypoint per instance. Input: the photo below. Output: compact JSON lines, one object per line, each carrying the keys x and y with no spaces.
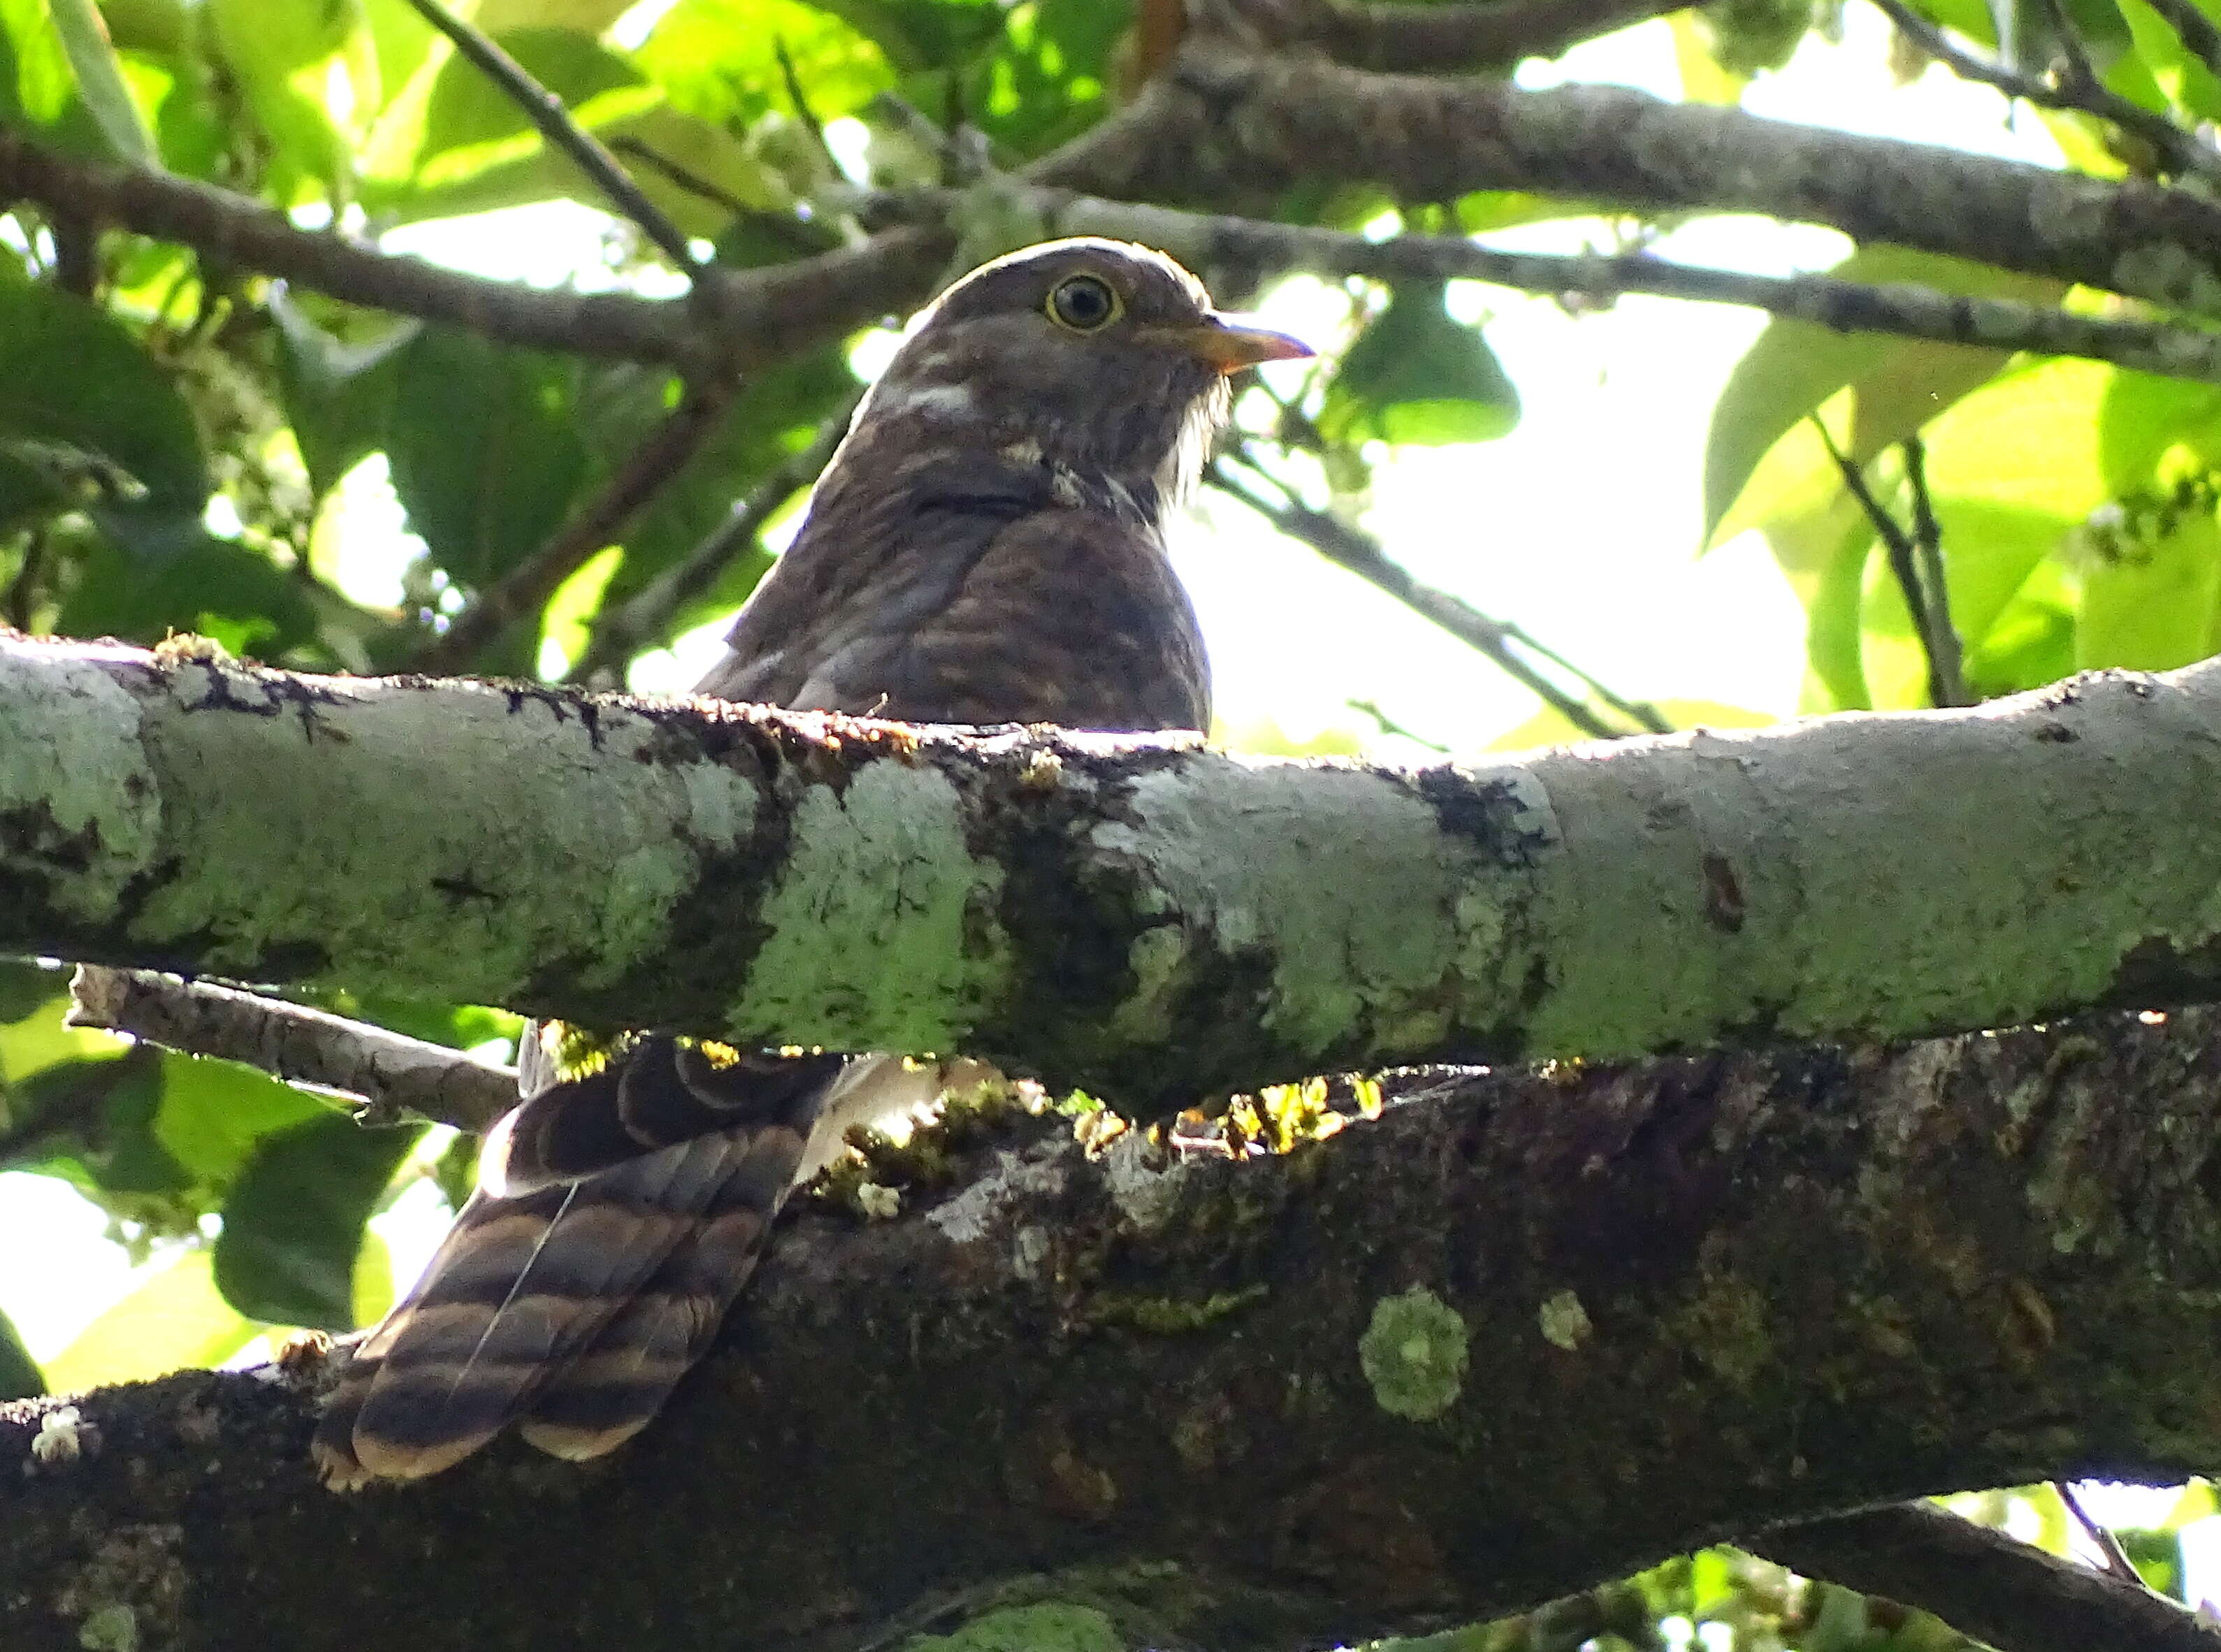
{"x":1083,"y":302}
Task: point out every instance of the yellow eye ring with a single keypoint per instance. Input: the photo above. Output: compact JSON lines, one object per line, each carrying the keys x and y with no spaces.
{"x":1084,"y":304}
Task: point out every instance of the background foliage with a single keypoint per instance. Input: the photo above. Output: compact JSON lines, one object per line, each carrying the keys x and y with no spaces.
{"x":182,"y":442}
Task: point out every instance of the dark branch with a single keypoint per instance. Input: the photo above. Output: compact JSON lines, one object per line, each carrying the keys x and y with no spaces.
{"x":525,"y":588}
{"x":1205,"y":1374}
{"x":617,"y":632}
{"x":1981,"y":1581}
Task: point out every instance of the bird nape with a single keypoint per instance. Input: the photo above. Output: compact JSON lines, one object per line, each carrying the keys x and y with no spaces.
{"x":986,"y":546}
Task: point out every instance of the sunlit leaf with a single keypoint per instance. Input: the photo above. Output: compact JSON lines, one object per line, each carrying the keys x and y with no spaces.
{"x":100,"y":82}
{"x":1415,"y":375}
{"x":293,"y":1225}
{"x":2150,"y":599}
{"x":1897,"y":385}
{"x":175,"y":1319}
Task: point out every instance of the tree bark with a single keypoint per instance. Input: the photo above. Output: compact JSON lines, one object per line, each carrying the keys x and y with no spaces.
{"x":1140,"y":918}
{"x":1526,"y":1331}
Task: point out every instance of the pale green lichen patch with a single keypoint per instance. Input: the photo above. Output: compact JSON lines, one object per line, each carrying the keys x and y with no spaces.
{"x":1341,"y":879}
{"x":1414,"y":1355}
{"x":111,"y":1628}
{"x":80,"y":789}
{"x":938,"y":961}
{"x":1029,"y":1629}
{"x":1564,"y":1322}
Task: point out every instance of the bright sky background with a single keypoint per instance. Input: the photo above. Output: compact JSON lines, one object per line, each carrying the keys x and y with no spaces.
{"x":1582,"y":525}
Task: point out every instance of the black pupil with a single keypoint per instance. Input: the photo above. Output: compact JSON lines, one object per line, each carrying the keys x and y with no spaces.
{"x":1084,"y":303}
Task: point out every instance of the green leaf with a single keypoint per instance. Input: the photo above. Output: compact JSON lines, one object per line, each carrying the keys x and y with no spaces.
{"x":485,"y":449}
{"x":1414,"y":375}
{"x":339,"y":392}
{"x":293,"y":1225}
{"x":19,"y":1371}
{"x":1834,"y":638}
{"x":100,"y":81}
{"x":2150,"y":599}
{"x":76,"y":388}
{"x":28,"y":989}
{"x":215,"y":1114}
{"x":220,"y":589}
{"x":280,"y":56}
{"x":175,"y":1320}
{"x":37,"y":86}
{"x":1897,"y":385}
{"x":718,"y":59}
{"x":472,"y":122}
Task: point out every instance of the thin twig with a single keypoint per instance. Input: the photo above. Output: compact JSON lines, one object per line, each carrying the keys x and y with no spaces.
{"x":526,"y":587}
{"x":795,"y":95}
{"x":2079,"y":88}
{"x":1388,"y":725}
{"x":400,"y":1077}
{"x":616,"y":633}
{"x":546,"y":112}
{"x":1904,"y":562}
{"x":1498,"y":641}
{"x":2108,"y":1547}
{"x":1942,"y":635}
{"x":786,"y":228}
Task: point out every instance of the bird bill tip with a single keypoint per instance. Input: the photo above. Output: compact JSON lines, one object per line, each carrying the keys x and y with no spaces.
{"x":1230,"y":343}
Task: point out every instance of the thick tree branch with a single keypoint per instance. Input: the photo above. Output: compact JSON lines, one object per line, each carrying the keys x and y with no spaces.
{"x":1536,"y":1330}
{"x":1436,"y":39}
{"x":399,"y":1076}
{"x":1137,"y":916}
{"x":1230,"y":126}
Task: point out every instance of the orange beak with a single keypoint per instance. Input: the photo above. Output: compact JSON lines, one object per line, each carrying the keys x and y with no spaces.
{"x":1230,"y":343}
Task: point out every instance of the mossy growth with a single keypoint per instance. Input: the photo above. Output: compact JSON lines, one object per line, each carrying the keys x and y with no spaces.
{"x":1414,"y":1355}
{"x":1029,"y":1629}
{"x":931,"y":1153}
{"x":1170,"y":1316}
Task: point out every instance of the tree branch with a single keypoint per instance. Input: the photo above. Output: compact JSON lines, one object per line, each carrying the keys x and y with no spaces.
{"x":1898,"y":308}
{"x":2079,"y":89}
{"x":1229,"y":125}
{"x":525,"y":588}
{"x":1999,"y":1590}
{"x":552,"y":122}
{"x":616,"y":633}
{"x":1425,"y":39}
{"x":1141,"y":918}
{"x":1852,"y":1275}
{"x":400,"y":1077}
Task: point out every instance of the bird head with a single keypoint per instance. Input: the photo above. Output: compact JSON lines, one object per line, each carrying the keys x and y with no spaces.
{"x":1101,"y":359}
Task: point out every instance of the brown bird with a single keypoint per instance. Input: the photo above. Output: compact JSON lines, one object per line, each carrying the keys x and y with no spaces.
{"x":986,"y":546}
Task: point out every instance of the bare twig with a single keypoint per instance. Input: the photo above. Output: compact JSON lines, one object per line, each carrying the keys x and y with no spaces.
{"x":400,"y":1077}
{"x":1388,"y":725}
{"x":546,"y":112}
{"x":2079,"y":87}
{"x":2108,"y":1547}
{"x":1502,"y":643}
{"x":787,"y":228}
{"x":1922,"y":597}
{"x":1942,"y":636}
{"x":526,"y":587}
{"x":616,"y":633}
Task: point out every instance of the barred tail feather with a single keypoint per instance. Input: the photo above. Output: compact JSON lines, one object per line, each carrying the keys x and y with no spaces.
{"x":660,"y":1092}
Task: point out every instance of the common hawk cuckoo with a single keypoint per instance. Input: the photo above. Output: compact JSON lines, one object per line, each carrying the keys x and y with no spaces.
{"x":986,"y":546}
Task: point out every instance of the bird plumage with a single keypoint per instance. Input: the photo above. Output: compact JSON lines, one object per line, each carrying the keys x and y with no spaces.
{"x":985,"y":547}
